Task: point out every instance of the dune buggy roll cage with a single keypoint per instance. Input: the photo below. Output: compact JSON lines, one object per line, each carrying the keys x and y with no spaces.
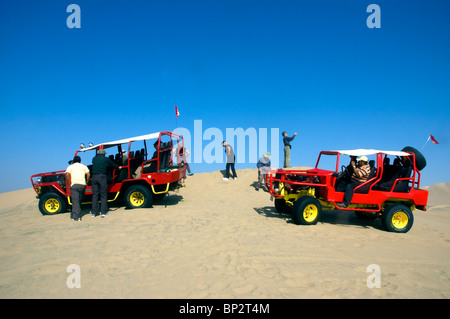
{"x":321,"y":182}
{"x":160,"y":147}
{"x":162,"y":162}
{"x":380,"y":159}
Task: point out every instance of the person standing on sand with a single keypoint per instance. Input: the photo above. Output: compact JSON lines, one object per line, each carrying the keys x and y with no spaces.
{"x":77,"y":176}
{"x":100,"y":164}
{"x":287,"y":148}
{"x":230,"y":161}
{"x":263,"y":169}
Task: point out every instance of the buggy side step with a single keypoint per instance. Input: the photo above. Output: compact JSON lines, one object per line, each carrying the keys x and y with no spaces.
{"x":356,"y":209}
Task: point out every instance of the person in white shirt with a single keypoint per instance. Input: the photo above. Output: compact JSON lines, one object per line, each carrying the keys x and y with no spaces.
{"x":77,"y":176}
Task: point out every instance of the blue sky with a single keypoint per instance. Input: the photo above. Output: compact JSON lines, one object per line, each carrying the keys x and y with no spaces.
{"x":312,"y":67}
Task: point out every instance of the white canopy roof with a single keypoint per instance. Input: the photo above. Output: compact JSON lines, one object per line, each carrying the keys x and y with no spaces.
{"x":123,"y":141}
{"x":361,"y":152}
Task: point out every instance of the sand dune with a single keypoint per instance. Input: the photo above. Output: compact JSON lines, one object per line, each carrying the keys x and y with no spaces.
{"x":216,"y":239}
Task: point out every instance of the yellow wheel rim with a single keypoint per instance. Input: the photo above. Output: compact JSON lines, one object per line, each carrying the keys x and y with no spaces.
{"x":310,"y":213}
{"x":400,"y":220}
{"x":52,"y":205}
{"x":137,"y":199}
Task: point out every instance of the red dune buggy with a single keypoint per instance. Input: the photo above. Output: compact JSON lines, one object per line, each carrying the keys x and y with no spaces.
{"x":391,"y":192}
{"x":147,"y":174}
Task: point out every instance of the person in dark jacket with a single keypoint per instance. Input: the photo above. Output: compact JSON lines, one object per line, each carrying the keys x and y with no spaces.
{"x":100,"y":165}
{"x":287,"y":148}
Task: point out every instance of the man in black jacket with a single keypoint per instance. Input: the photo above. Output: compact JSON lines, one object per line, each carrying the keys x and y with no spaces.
{"x":100,"y":164}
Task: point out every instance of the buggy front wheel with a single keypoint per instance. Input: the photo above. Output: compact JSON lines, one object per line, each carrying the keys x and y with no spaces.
{"x":52,"y":203}
{"x":306,"y":211}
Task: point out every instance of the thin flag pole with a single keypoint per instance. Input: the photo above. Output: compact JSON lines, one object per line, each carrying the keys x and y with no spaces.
{"x":425,"y":143}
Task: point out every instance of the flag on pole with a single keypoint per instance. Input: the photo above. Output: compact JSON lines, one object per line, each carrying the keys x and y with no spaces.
{"x":433,"y":139}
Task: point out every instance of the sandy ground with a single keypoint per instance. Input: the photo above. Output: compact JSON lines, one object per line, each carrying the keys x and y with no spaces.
{"x":216,"y":239}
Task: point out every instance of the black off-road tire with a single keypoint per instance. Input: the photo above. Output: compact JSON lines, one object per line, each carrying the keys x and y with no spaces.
{"x":397,"y":218}
{"x":52,"y":203}
{"x":306,"y":211}
{"x":420,"y":159}
{"x":138,"y":196}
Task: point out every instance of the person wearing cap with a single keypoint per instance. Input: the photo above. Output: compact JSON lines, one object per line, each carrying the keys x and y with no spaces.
{"x":287,"y":148}
{"x":77,"y":176}
{"x":263,"y":169}
{"x":100,"y":165}
{"x":359,"y":176}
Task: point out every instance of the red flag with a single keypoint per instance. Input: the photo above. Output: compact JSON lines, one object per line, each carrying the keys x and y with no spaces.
{"x":176,"y":111}
{"x":433,"y":139}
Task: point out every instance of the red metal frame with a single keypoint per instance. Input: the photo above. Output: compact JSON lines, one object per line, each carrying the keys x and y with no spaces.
{"x":154,"y":178}
{"x":55,"y":184}
{"x":324,"y":183}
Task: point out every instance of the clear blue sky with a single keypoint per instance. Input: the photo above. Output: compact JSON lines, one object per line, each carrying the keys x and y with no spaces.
{"x":312,"y":67}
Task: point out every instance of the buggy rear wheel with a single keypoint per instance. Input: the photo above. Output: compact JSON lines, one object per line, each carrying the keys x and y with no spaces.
{"x":52,"y":203}
{"x":306,"y":211}
{"x":398,"y":218}
{"x":138,"y":196}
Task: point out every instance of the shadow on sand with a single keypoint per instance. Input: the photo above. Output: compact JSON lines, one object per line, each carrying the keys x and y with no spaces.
{"x":334,"y":217}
